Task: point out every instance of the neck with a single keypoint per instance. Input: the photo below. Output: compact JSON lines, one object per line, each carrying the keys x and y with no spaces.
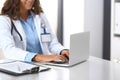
{"x":24,"y":14}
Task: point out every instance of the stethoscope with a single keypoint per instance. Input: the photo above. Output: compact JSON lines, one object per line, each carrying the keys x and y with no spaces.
{"x":13,"y":27}
{"x":45,"y":36}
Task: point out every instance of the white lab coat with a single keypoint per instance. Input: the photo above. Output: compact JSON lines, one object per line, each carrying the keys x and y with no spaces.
{"x":14,"y":48}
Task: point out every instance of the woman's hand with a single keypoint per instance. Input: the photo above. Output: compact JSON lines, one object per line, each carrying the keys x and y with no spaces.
{"x":65,"y":53}
{"x":48,"y":58}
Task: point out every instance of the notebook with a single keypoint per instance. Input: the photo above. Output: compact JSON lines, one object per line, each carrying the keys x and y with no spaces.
{"x":20,"y":67}
{"x":79,"y":50}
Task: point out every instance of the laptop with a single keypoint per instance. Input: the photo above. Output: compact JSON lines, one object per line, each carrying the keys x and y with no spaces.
{"x":79,"y":50}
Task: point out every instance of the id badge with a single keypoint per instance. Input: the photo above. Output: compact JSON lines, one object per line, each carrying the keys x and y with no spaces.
{"x":46,"y":37}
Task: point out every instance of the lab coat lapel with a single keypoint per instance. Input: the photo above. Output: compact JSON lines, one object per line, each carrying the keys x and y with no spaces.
{"x":20,"y":30}
{"x":37,"y":22}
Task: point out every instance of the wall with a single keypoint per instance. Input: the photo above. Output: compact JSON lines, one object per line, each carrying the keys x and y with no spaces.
{"x":50,"y":8}
{"x":73,"y":17}
{"x":84,"y":15}
{"x":94,"y":24}
{"x":115,"y":22}
{"x":1,"y":4}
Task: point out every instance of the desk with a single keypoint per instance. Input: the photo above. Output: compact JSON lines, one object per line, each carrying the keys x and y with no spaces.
{"x":93,"y":69}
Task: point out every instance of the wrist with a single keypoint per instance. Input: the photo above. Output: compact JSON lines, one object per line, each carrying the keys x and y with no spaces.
{"x":36,"y":58}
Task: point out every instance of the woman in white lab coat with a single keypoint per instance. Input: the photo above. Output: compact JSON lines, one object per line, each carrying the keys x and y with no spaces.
{"x":25,"y":33}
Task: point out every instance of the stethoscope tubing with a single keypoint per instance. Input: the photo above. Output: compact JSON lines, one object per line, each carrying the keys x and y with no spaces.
{"x":13,"y":27}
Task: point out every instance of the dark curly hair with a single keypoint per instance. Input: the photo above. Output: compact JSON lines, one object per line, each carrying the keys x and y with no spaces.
{"x":12,"y":8}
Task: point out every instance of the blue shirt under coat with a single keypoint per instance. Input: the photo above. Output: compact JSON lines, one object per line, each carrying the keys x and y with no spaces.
{"x":33,"y":44}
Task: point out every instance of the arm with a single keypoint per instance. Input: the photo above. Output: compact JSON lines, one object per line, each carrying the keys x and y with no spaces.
{"x":54,"y":45}
{"x":48,"y":58}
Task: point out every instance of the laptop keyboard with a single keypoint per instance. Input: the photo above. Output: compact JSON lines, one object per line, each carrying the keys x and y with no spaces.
{"x":58,"y":62}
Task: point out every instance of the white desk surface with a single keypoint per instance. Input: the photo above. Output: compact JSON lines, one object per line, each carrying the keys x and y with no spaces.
{"x":93,"y":69}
